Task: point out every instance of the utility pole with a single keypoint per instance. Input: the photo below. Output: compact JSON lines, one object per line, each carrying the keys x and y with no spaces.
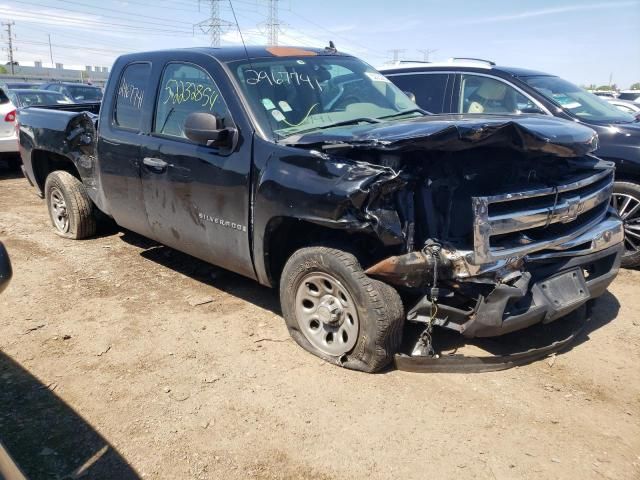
{"x":273,"y":24}
{"x":426,"y":52}
{"x":9,"y":25}
{"x":51,"y":52}
{"x":214,"y":25}
{"x":396,"y":53}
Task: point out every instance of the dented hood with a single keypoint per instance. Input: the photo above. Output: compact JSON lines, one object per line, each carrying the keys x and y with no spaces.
{"x":526,"y":133}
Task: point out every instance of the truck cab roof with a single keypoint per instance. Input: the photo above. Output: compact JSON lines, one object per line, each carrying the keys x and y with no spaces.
{"x":233,"y":53}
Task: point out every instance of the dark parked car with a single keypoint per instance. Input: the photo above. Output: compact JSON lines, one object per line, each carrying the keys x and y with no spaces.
{"x":308,"y":170}
{"x":78,"y":92}
{"x":31,"y":98}
{"x":472,"y":87}
{"x":21,"y":85}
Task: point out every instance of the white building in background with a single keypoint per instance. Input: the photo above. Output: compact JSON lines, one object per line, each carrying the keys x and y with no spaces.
{"x":97,"y":75}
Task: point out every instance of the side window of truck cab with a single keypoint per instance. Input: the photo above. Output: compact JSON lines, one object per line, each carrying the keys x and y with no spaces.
{"x":185,"y":89}
{"x":130,"y":95}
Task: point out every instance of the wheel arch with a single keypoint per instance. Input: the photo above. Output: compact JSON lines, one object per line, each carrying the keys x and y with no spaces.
{"x":44,"y":162}
{"x":284,"y":235}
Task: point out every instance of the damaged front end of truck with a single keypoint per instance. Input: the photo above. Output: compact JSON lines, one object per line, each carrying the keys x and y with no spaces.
{"x":489,"y":225}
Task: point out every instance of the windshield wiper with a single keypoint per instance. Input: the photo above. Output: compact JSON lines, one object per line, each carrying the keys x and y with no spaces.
{"x":411,"y":110}
{"x":350,"y":122}
{"x":337,"y":124}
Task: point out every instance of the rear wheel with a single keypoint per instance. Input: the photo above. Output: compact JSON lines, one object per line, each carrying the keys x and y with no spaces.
{"x":333,"y":310}
{"x":70,"y":209}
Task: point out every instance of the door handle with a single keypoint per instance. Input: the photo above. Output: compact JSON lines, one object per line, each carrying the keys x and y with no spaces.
{"x":155,"y":163}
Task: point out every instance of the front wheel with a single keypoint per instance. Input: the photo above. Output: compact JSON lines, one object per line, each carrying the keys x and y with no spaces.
{"x":333,"y":310}
{"x":626,"y":200}
{"x":70,"y":208}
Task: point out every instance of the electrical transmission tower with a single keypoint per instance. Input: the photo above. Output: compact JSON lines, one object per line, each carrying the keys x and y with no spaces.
{"x":9,"y":26}
{"x":214,"y":25}
{"x":273,"y":24}
{"x":396,"y":53}
{"x":426,"y":52}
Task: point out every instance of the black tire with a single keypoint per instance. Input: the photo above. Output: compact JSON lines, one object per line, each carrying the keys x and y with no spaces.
{"x":621,"y":192}
{"x":78,"y":207}
{"x":379,"y":307}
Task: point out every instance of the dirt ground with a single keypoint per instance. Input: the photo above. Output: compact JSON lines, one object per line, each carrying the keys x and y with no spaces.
{"x":120,"y":358}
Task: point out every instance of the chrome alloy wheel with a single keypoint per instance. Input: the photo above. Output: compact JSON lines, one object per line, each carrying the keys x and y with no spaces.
{"x":326,"y":314}
{"x":58,"y":208}
{"x":628,"y":208}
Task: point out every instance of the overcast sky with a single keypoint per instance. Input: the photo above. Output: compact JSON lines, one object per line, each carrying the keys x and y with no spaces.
{"x":582,"y":41}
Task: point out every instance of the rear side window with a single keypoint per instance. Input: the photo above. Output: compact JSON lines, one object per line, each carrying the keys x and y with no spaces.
{"x":429,"y":89}
{"x":484,"y":95}
{"x":3,"y":97}
{"x":130,"y":95}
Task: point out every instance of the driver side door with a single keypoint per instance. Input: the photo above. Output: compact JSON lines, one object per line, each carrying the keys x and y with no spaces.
{"x":196,"y":196}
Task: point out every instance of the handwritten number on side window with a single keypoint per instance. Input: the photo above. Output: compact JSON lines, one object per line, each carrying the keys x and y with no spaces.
{"x":131,"y":94}
{"x":179,"y":92}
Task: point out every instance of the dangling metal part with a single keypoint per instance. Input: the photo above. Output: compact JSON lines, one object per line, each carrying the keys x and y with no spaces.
{"x":411,"y":270}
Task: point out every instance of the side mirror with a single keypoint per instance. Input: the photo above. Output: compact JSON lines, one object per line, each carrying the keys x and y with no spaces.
{"x":206,"y":129}
{"x":5,"y":268}
{"x":411,"y":95}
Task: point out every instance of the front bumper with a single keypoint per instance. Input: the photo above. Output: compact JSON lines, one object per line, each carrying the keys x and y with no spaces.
{"x":530,"y":305}
{"x":552,"y":284}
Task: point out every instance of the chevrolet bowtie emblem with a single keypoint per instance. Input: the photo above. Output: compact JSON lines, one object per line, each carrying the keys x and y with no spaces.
{"x":574,"y":208}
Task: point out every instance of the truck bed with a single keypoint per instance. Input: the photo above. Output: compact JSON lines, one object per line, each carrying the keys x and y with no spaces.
{"x":58,"y":131}
{"x":70,"y":107}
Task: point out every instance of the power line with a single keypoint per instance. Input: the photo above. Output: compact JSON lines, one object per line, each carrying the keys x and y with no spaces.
{"x":76,"y":35}
{"x":9,"y":25}
{"x":75,"y":47}
{"x":91,"y":22}
{"x":166,"y":20}
{"x":334,"y":34}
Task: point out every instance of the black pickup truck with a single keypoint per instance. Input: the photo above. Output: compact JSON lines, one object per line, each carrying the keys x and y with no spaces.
{"x":309,"y":170}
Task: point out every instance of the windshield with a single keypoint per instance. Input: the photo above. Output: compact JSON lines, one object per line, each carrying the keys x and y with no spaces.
{"x":291,"y":95}
{"x":28,"y":99}
{"x":577,"y":101}
{"x":85,"y":93}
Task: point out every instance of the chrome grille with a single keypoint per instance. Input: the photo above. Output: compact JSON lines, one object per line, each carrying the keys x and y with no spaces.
{"x":518,"y":223}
